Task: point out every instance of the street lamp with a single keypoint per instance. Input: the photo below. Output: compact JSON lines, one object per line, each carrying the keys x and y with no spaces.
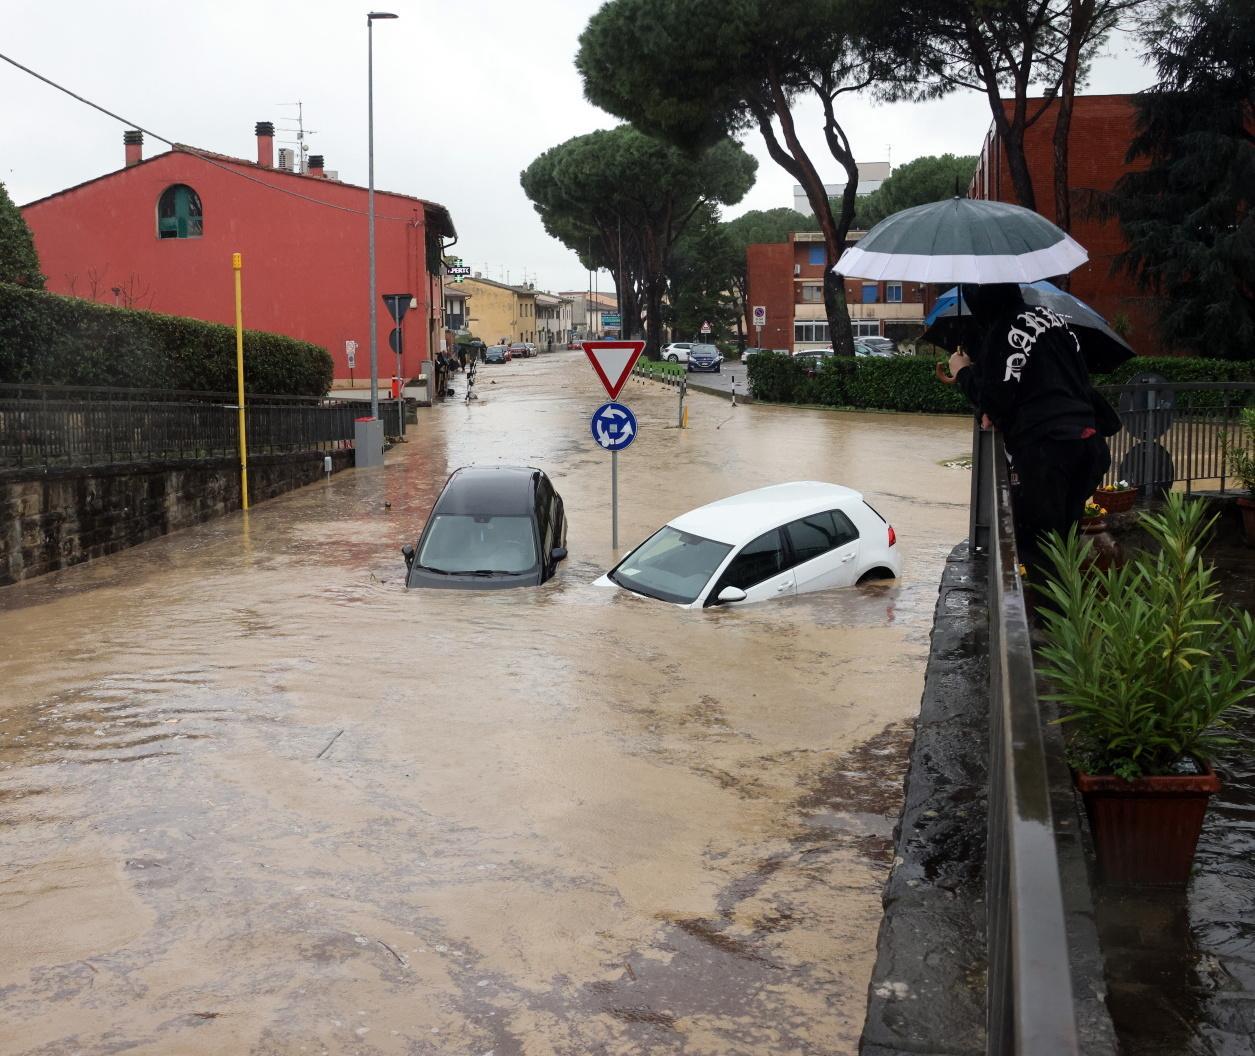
{"x":370,"y":202}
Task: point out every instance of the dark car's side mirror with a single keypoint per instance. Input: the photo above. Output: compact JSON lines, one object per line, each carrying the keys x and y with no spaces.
{"x":731,"y":594}
{"x":558,"y":553}
{"x":408,"y":552}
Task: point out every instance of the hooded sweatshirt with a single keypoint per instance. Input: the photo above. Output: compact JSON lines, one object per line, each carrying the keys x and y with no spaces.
{"x":1030,"y":378}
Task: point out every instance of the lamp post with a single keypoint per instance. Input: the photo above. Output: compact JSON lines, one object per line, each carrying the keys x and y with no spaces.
{"x":370,"y":202}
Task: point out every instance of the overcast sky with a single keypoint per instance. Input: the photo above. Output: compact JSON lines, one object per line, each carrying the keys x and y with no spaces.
{"x":466,"y":95}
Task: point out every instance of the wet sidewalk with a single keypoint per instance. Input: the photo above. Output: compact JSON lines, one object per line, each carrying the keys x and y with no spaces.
{"x":1181,"y":966}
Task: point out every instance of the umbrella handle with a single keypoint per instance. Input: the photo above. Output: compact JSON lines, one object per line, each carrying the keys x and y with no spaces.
{"x":942,"y":376}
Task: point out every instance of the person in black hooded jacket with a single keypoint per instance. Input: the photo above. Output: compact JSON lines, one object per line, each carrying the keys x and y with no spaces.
{"x":1029,"y":381}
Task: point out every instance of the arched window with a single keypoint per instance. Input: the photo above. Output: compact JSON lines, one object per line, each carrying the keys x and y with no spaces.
{"x":179,"y":213}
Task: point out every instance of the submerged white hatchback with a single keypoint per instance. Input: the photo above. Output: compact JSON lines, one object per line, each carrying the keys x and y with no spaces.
{"x":770,"y":543}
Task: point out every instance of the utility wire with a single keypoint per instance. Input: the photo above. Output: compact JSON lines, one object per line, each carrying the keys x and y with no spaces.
{"x":185,"y":149}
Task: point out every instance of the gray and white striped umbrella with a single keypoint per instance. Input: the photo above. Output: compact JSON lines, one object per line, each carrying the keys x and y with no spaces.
{"x":963,"y":240}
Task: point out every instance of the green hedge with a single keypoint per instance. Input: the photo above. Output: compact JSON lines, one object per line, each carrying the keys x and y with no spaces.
{"x":902,"y":383}
{"x":1177,"y":368}
{"x":52,"y":340}
{"x":909,"y":383}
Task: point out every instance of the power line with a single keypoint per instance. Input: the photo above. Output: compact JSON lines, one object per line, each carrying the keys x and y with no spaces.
{"x":185,"y":149}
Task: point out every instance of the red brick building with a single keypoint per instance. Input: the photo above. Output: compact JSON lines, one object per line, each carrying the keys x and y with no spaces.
{"x":788,"y":280}
{"x":159,"y":234}
{"x":1102,"y":128}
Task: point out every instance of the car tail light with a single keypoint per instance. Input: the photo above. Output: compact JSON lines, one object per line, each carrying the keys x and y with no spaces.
{"x":893,"y":536}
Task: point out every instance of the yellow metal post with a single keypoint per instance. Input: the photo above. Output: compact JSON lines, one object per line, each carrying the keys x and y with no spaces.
{"x":237,"y":266}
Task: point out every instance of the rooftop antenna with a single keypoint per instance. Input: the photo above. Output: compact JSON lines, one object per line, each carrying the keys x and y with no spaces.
{"x":301,"y":148}
{"x":889,"y":151}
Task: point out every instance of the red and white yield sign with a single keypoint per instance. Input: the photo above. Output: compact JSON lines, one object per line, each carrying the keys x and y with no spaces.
{"x":613,"y":361}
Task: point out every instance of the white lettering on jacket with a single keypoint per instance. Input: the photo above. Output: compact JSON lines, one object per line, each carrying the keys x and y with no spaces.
{"x":1037,"y":320}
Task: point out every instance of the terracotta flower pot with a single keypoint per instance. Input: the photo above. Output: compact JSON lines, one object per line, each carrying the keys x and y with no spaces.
{"x":1104,"y":551}
{"x":1145,"y":831}
{"x":1247,"y":506}
{"x":1116,"y":501}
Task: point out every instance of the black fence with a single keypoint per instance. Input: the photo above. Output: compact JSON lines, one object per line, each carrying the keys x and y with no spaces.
{"x":1030,"y":1005}
{"x":43,"y":427}
{"x":1177,"y":433}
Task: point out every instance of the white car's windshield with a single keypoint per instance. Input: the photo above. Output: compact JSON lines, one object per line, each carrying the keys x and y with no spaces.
{"x":461,"y":544}
{"x":671,"y":565}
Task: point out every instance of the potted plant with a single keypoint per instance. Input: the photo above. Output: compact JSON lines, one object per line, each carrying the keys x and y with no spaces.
{"x":1095,"y":517}
{"x":1103,"y":549}
{"x":1242,"y":462}
{"x":1146,"y":663}
{"x":1117,"y":497}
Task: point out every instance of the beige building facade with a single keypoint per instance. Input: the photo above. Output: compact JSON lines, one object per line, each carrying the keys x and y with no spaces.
{"x":496,"y":311}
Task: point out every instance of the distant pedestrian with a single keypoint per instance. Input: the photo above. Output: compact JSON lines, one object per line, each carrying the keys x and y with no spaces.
{"x":1029,"y":380}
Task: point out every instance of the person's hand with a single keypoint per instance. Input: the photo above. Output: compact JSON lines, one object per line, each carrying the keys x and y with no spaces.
{"x":958,"y":361}
{"x":985,"y":423}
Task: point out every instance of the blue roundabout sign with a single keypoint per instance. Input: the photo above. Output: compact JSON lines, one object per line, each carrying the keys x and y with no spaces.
{"x":613,"y":426}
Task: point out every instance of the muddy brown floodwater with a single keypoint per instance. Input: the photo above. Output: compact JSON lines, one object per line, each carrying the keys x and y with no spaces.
{"x":257,"y":798}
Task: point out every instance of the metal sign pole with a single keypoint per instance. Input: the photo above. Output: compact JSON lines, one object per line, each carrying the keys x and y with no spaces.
{"x":237,"y":266}
{"x":400,"y":381}
{"x":614,"y":500}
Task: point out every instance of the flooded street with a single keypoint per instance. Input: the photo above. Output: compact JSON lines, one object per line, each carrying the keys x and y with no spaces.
{"x":257,"y":798}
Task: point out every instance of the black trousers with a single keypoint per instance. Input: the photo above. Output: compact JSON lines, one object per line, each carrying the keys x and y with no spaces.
{"x":1056,"y":477}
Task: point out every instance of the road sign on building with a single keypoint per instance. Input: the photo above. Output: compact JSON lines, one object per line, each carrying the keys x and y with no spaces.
{"x":613,"y":361}
{"x":350,"y":353}
{"x":613,"y":426}
{"x":397,"y":304}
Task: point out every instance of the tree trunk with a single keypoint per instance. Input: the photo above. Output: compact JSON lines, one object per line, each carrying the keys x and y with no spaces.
{"x":653,"y":319}
{"x":1082,"y":13}
{"x":835,"y":307}
{"x":817,"y":195}
{"x":1017,"y":164}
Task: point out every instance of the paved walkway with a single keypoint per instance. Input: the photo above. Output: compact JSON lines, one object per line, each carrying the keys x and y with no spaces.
{"x":1181,"y":965}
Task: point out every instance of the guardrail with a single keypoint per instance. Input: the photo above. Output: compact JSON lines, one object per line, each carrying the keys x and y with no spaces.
{"x":1176,"y":432}
{"x":1030,"y":1005}
{"x":44,"y":427}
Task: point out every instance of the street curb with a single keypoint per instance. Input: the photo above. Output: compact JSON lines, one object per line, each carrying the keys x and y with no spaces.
{"x":674,"y":382}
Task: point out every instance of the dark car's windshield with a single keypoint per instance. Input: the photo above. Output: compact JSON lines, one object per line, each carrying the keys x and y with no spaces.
{"x":671,"y":565}
{"x":703,"y":350}
{"x":459,"y":544}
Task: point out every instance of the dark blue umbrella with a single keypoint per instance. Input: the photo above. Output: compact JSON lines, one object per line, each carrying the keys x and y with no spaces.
{"x":1104,"y":350}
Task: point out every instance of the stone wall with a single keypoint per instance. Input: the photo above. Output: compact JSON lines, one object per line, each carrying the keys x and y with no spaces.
{"x":927,"y":992}
{"x":51,"y":519}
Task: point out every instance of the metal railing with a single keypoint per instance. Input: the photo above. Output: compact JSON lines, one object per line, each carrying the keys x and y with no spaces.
{"x":45,"y":427}
{"x":1031,"y":1009}
{"x":1176,"y":433}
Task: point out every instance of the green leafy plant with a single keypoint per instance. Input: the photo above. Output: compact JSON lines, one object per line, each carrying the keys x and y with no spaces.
{"x":1242,"y":454}
{"x":1145,"y":659}
{"x":48,"y":339}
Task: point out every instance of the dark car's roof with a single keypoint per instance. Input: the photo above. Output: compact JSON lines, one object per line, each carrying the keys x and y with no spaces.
{"x":489,"y":490}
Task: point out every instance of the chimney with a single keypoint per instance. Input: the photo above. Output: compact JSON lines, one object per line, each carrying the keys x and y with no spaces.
{"x":133,"y":140}
{"x":315,"y":166}
{"x":265,"y":144}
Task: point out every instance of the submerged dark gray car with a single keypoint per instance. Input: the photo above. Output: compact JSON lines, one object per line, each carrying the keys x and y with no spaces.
{"x":492,"y":527}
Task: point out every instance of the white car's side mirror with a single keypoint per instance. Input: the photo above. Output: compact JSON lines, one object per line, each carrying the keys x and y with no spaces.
{"x":731,"y":594}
